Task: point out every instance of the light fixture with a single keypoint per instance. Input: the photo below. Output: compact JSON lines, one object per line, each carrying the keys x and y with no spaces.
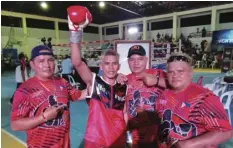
{"x":44,"y":5}
{"x":132,"y":30}
{"x":101,"y":4}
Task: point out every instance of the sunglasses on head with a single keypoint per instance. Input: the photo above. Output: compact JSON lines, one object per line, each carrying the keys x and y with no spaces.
{"x":178,"y":58}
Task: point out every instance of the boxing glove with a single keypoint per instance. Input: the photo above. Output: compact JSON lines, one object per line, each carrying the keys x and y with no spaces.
{"x":78,"y":18}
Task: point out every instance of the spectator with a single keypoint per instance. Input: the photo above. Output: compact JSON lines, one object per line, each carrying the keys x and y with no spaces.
{"x":203,"y":32}
{"x":21,"y":72}
{"x":67,"y":68}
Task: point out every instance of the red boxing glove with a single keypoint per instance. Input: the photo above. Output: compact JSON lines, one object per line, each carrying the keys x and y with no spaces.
{"x":78,"y":17}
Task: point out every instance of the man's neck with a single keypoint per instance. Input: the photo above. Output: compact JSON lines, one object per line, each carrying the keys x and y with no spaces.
{"x":137,"y":74}
{"x":178,"y":90}
{"x":109,"y":81}
{"x":175,"y":91}
{"x":43,"y":79}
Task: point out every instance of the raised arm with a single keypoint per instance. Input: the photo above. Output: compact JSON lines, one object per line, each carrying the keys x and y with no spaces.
{"x":75,"y":14}
{"x":82,"y":69}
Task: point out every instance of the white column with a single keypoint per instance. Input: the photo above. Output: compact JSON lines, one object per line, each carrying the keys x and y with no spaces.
{"x":174,"y":26}
{"x":213,"y":18}
{"x":144,"y":29}
{"x":120,"y":30}
{"x":178,"y":26}
{"x":57,"y":32}
{"x":100,"y":34}
{"x":105,"y":33}
{"x":25,"y":37}
{"x":150,"y":37}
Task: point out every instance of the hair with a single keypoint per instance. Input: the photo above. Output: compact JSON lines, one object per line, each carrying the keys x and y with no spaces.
{"x":67,"y":56}
{"x":109,"y":52}
{"x":184,"y":55}
{"x":21,"y":55}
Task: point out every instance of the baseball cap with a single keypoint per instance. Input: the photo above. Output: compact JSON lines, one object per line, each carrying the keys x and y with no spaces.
{"x":41,"y":50}
{"x":136,"y":49}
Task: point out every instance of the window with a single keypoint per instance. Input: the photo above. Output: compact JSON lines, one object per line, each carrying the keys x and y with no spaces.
{"x":34,"y":23}
{"x":161,"y":25}
{"x":63,"y":26}
{"x":91,"y":29}
{"x":226,"y":17}
{"x":11,"y":21}
{"x":195,"y":21}
{"x":111,"y":31}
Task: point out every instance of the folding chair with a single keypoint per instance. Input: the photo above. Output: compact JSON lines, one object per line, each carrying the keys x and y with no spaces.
{"x":209,"y":86}
{"x":220,"y":91}
{"x":227,"y":100}
{"x":72,"y":82}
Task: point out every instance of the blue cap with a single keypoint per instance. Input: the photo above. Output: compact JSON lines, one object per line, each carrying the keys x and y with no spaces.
{"x":41,"y":50}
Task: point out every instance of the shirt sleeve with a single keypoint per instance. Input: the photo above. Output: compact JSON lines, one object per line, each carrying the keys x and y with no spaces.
{"x":162,"y":74}
{"x":158,"y":72}
{"x":73,"y":92}
{"x":212,"y":114}
{"x":21,"y":106}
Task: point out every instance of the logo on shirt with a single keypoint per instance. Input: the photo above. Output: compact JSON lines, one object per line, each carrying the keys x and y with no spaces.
{"x":185,"y":104}
{"x":52,"y":101}
{"x":62,"y":87}
{"x":147,"y":100}
{"x":175,"y":127}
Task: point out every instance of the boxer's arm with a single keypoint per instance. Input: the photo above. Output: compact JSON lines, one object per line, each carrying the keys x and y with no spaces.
{"x":75,"y":16}
{"x":82,"y":69}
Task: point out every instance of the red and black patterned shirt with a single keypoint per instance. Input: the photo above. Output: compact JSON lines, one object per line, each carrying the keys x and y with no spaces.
{"x":190,"y":113}
{"x":32,"y":98}
{"x":143,"y":126}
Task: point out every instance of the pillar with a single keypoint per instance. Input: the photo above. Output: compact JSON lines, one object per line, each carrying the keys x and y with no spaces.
{"x":174,"y":26}
{"x":213,"y":18}
{"x":144,"y":29}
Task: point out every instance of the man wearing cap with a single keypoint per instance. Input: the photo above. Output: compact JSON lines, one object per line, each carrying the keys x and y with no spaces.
{"x":142,"y":93}
{"x":191,"y":116}
{"x":41,"y":104}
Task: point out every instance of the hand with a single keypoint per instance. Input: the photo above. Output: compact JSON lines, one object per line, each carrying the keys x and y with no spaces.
{"x":139,"y":109}
{"x":121,"y":78}
{"x":74,"y":27}
{"x":126,"y":118}
{"x":148,"y":79}
{"x":51,"y":112}
{"x":185,"y":144}
{"x":141,"y":112}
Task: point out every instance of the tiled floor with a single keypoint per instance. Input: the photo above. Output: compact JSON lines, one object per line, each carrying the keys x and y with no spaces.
{"x":78,"y":113}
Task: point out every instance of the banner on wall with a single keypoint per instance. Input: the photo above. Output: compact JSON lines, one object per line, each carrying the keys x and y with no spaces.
{"x":222,"y":39}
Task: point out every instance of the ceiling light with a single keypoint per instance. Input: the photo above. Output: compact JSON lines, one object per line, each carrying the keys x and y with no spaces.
{"x":133,"y":30}
{"x":44,"y":5}
{"x":101,"y":4}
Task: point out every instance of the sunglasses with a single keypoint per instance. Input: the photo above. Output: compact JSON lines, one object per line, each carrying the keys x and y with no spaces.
{"x":178,"y":58}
